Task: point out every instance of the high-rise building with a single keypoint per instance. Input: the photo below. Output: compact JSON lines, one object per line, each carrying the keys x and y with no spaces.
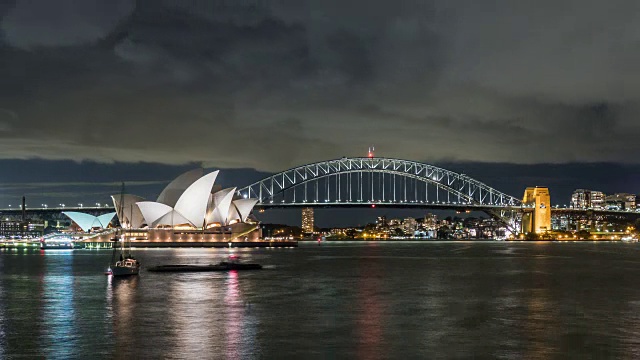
{"x":307,"y":220}
{"x":580,"y":199}
{"x":597,"y":199}
{"x":587,"y":199}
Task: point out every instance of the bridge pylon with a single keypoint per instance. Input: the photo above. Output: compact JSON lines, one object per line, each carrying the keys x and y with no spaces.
{"x":539,"y":220}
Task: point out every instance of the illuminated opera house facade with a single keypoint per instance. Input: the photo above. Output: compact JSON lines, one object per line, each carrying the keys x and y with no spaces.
{"x":190,"y":211}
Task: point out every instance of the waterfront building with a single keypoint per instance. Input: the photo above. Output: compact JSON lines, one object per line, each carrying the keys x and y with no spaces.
{"x":307,"y":220}
{"x":189,"y":202}
{"x":381,"y":222}
{"x":560,"y":223}
{"x":190,"y":211}
{"x":587,"y":199}
{"x":409,"y":225}
{"x":430,"y":222}
{"x":21,"y":229}
{"x":394,"y":222}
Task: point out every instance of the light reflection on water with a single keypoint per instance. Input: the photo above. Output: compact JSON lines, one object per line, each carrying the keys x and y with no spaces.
{"x":239,"y":323}
{"x":367,"y":301}
{"x":59,"y":335}
{"x":369,"y":321}
{"x":192,"y":298}
{"x":121,"y":308}
{"x":3,"y":321}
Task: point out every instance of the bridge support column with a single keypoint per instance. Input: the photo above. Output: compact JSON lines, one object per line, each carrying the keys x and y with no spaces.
{"x":539,"y":220}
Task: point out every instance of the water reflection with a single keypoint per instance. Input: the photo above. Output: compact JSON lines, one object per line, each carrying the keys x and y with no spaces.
{"x":121,"y":308}
{"x":540,"y":323}
{"x":3,"y":341}
{"x":58,"y":310}
{"x":196,"y":323}
{"x":240,"y":333}
{"x":369,"y":321}
{"x":414,"y":302}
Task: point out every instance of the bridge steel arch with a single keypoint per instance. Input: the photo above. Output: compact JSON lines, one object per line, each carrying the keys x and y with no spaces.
{"x":363,"y":180}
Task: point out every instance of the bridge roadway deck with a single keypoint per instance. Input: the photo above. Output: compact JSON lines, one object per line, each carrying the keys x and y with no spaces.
{"x":87,"y":209}
{"x":388,"y":205}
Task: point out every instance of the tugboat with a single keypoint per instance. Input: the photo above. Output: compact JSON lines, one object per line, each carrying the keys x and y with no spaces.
{"x":233,"y":263}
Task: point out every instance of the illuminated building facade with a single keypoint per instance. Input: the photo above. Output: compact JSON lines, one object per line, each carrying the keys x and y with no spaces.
{"x":307,"y":220}
{"x":20,"y":229}
{"x":430,"y":221}
{"x":621,"y":201}
{"x":409,"y":225}
{"x":191,"y":211}
{"x":539,"y":220}
{"x":587,"y":199}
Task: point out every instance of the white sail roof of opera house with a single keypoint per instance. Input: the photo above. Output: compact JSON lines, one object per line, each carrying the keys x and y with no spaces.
{"x":192,"y":200}
{"x":173,"y":191}
{"x":244,"y":207}
{"x":87,"y":221}
{"x":220,"y":203}
{"x":128,"y":212}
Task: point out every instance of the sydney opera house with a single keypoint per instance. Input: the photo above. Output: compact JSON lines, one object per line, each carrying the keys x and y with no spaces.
{"x":191,"y":211}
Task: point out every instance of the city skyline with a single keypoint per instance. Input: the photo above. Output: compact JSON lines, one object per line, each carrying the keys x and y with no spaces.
{"x":72,"y":191}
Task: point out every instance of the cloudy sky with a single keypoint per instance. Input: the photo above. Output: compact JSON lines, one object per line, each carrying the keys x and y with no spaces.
{"x":267,"y":85}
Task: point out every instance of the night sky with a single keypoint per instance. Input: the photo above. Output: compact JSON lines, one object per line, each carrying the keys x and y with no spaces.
{"x":96,"y":92}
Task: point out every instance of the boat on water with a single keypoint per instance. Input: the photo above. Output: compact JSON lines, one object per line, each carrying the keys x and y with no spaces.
{"x":127,"y":265}
{"x":56,"y":245}
{"x":233,"y":263}
{"x":57,"y":241}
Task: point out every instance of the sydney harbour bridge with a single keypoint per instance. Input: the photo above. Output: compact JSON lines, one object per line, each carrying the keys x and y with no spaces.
{"x":375,"y":182}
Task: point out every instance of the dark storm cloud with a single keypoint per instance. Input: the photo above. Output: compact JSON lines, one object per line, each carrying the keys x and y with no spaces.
{"x":274,"y":84}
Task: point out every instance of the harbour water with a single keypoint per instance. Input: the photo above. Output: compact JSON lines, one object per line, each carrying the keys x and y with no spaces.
{"x":362,"y":300}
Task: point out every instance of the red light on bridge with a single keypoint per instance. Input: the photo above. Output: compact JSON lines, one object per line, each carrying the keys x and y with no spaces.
{"x":373,"y":205}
